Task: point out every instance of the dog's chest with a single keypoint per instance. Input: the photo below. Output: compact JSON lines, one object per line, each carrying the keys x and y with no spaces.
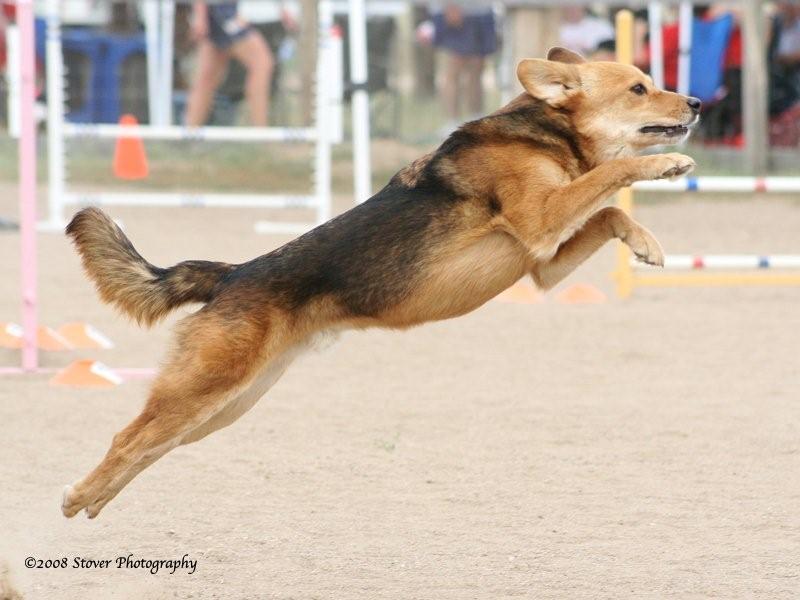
{"x":464,"y":280}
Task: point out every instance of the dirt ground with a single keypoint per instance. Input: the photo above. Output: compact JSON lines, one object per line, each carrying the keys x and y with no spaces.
{"x":639,"y":449}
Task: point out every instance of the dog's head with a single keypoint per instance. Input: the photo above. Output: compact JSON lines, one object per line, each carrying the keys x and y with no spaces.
{"x":615,"y":106}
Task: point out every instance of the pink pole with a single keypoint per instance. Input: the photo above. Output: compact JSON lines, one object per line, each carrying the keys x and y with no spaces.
{"x":27,"y":181}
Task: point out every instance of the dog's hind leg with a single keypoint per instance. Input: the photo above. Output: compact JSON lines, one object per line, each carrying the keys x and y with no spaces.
{"x":214,"y":362}
{"x":604,"y":225}
{"x":234,"y":409}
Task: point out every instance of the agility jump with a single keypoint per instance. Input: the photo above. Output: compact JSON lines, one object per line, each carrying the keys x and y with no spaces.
{"x":628,"y":274}
{"x":326,"y":131}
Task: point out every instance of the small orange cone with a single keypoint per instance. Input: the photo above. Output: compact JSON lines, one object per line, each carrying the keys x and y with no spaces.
{"x":50,"y":340}
{"x":130,"y":160}
{"x":10,"y":335}
{"x":520,"y":293}
{"x":87,"y":374}
{"x":84,"y":336}
{"x":581,"y":293}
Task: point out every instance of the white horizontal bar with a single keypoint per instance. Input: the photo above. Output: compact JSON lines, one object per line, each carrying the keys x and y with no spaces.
{"x":730,"y":261}
{"x":174,"y":132}
{"x":283,"y":227}
{"x":784,"y":261}
{"x":184,"y":199}
{"x":723,"y":184}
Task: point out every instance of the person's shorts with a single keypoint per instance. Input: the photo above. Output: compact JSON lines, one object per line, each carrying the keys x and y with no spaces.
{"x":476,"y":36}
{"x":224,"y":26}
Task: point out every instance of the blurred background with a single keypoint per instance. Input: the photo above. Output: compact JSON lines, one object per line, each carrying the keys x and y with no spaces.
{"x":422,"y":81}
{"x":630,"y":436}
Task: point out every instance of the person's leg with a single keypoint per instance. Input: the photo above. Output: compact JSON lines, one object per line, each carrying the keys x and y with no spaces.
{"x":211,"y":67}
{"x":473,"y":90}
{"x":252,"y":51}
{"x":454,"y":67}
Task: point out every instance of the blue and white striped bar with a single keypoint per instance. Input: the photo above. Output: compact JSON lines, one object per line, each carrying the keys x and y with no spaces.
{"x":723,"y":184}
{"x":174,"y":132}
{"x":687,"y":262}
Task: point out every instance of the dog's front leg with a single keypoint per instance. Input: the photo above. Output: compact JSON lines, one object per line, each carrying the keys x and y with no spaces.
{"x":604,"y":225}
{"x":543,"y":226}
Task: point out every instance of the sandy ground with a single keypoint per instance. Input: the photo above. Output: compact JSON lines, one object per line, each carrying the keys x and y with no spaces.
{"x":639,"y":449}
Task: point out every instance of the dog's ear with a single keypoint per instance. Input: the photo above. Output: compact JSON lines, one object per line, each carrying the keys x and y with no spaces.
{"x":553,"y":82}
{"x":563,"y":55}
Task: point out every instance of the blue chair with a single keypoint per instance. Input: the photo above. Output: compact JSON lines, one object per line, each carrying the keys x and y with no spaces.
{"x":104,"y":56}
{"x":709,"y":46}
{"x":90,"y":46}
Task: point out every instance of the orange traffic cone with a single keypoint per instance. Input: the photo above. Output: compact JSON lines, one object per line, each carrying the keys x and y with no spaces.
{"x":581,"y":293}
{"x":51,"y":340}
{"x":87,"y":374}
{"x":10,"y":335}
{"x":84,"y":336}
{"x":130,"y":160}
{"x":520,"y":293}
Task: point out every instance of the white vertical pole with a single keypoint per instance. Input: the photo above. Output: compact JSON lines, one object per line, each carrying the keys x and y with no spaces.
{"x":655,"y":18}
{"x":27,"y":182}
{"x":151,"y":28}
{"x":13,"y":67}
{"x":685,"y":45}
{"x":362,"y":171}
{"x":166,"y":31}
{"x":322,"y":157}
{"x":335,"y":85}
{"x":55,"y":116}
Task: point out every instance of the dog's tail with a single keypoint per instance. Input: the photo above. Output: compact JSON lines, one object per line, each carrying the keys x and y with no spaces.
{"x":126,"y":280}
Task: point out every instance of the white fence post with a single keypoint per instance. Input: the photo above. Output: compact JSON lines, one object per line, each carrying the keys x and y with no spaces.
{"x":685,"y":45}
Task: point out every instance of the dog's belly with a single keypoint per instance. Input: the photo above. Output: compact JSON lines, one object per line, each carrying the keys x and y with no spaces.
{"x":463,"y":281}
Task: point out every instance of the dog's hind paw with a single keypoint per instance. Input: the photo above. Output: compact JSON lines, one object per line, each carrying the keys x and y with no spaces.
{"x":70,"y":505}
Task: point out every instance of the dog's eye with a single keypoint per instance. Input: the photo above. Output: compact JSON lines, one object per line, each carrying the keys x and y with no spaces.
{"x":639,"y":89}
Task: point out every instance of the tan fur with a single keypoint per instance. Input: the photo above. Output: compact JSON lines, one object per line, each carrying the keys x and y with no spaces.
{"x":510,"y":199}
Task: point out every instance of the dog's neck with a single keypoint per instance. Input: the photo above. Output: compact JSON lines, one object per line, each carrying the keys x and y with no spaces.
{"x":586,"y":150}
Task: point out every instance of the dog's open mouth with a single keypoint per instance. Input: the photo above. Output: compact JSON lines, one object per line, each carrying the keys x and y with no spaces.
{"x":666,"y":130}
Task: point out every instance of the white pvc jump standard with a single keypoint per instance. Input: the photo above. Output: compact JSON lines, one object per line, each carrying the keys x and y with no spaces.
{"x":329,"y":59}
{"x":325,"y":132}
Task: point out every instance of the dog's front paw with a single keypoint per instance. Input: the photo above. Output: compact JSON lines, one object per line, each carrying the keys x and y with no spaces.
{"x":645,"y":246}
{"x":667,"y":166}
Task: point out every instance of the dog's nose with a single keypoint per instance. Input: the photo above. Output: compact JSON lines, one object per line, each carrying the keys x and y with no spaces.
{"x":695,"y":104}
